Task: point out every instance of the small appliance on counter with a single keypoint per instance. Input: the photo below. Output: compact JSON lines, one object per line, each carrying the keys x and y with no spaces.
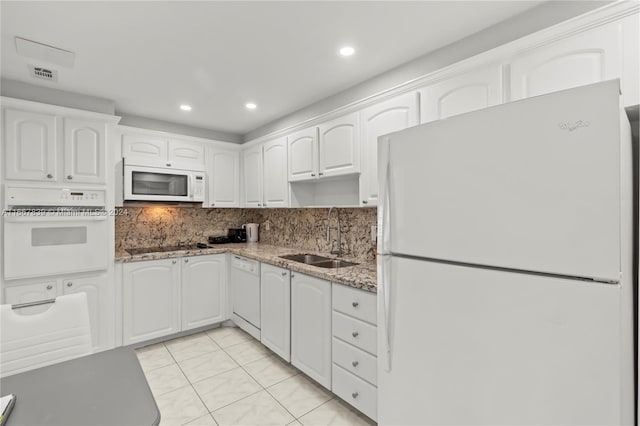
{"x":234,"y":235}
{"x":252,"y":232}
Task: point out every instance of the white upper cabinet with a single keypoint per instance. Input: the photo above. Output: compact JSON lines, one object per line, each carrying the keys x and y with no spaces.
{"x":252,"y":163}
{"x":224,"y":178}
{"x":185,"y":154}
{"x":631,"y":60}
{"x":142,"y":147}
{"x":303,"y":154}
{"x":53,"y":148}
{"x":471,"y":91}
{"x":162,"y":151}
{"x":584,"y":58}
{"x":275,"y":183}
{"x":84,"y":151}
{"x":385,"y":117}
{"x":30,"y":141}
{"x":338,"y":144}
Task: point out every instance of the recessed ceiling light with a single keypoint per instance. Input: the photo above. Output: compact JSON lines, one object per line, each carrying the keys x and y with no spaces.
{"x":250,"y":105}
{"x":347,"y":51}
{"x":185,"y":107}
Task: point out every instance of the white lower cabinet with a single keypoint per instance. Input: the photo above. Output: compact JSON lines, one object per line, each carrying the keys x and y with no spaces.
{"x":311,"y":327}
{"x":203,"y":290}
{"x":354,"y":370}
{"x":162,"y":297}
{"x":151,"y":300}
{"x":99,"y":302}
{"x":275,"y":309}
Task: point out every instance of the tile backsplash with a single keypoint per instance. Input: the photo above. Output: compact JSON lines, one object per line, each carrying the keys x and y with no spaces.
{"x":303,"y":229}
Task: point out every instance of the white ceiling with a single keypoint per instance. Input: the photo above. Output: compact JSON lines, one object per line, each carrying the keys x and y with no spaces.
{"x":151,"y":56}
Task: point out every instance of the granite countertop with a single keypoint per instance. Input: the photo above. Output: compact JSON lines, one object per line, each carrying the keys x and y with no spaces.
{"x":361,"y":276}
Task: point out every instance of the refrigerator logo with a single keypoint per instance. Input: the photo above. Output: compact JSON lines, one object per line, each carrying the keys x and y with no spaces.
{"x":573,"y":126}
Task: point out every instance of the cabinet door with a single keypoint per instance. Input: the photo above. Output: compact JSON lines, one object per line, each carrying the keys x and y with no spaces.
{"x":85,"y":151}
{"x":203,"y":290}
{"x":275,"y":183}
{"x":275,"y":310}
{"x":377,"y":120}
{"x":224,"y":179}
{"x":311,"y":327}
{"x":339,"y":146}
{"x":30,"y":140}
{"x":141,"y":147}
{"x":151,"y":300}
{"x":186,"y":155}
{"x":630,"y":60}
{"x":31,"y":293}
{"x":582,"y":59}
{"x":303,"y":154}
{"x":463,"y":93}
{"x":253,"y":176}
{"x":99,"y":307}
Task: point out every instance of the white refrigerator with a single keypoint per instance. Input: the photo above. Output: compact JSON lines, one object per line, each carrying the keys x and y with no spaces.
{"x":505,"y":265}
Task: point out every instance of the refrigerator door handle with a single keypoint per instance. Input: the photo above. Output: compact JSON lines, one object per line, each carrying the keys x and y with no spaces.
{"x":384,"y":306}
{"x":384,"y":221}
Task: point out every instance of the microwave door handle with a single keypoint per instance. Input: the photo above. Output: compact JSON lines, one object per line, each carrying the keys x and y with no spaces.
{"x":190,"y":186}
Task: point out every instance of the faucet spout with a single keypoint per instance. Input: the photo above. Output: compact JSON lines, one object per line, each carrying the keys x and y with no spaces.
{"x":337,"y":251}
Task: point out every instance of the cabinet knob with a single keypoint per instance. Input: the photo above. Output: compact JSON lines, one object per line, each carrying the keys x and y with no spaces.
{"x":69,"y":177}
{"x":186,"y":261}
{"x":365,"y":202}
{"x":354,"y":395}
{"x":259,"y":205}
{"x":355,"y":363}
{"x":292,"y":275}
{"x":320,"y":174}
{"x":284,"y":274}
{"x":355,"y":304}
{"x":264,"y":205}
{"x":313,"y":174}
{"x":174,"y":262}
{"x":168,"y":164}
{"x":49,"y":287}
{"x":69,"y":284}
{"x":213,"y":204}
{"x":49,"y":176}
{"x":355,"y":334}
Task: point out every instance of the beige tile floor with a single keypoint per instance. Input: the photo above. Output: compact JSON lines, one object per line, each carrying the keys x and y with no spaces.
{"x":225,"y":377}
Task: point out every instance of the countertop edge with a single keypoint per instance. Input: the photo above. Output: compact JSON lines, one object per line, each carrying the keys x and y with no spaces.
{"x":361,"y":276}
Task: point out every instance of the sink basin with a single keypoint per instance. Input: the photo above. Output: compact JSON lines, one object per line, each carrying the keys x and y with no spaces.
{"x":333,"y":263}
{"x":305,"y":258}
{"x":319,"y":261}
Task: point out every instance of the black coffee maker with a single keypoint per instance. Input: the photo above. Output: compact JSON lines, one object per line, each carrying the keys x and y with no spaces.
{"x":237,"y":235}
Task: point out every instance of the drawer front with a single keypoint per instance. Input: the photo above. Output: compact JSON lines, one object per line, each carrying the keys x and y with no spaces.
{"x":355,"y":360}
{"x":355,"y":391}
{"x":355,"y":332}
{"x":357,"y":303}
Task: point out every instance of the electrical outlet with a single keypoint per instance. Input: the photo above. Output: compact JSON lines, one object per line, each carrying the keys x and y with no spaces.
{"x":266,"y":226}
{"x":374,"y":233}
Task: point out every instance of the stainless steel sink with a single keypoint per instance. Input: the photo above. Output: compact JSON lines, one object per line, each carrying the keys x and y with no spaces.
{"x":319,"y":261}
{"x":305,"y":258}
{"x":334,"y":263}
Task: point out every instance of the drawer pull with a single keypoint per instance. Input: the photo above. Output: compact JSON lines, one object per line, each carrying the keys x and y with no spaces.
{"x":49,"y":287}
{"x":355,"y":304}
{"x":284,"y":274}
{"x":354,"y":395}
{"x":355,"y":334}
{"x":355,"y":363}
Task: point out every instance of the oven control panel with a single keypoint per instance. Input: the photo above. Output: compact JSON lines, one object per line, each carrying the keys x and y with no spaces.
{"x":34,"y":196}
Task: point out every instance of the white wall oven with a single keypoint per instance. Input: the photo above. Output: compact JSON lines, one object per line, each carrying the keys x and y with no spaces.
{"x":144,"y":183}
{"x":52,"y":231}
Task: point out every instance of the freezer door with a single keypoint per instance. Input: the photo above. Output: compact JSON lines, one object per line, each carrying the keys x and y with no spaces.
{"x":531,"y":185}
{"x":473,"y":346}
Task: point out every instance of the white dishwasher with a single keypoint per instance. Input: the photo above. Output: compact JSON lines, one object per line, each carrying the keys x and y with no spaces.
{"x":245,"y":284}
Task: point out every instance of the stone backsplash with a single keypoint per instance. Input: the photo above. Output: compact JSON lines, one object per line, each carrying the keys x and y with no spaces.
{"x":303,"y":229}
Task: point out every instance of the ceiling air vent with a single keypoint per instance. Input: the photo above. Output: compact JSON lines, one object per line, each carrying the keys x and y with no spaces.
{"x":43,"y":73}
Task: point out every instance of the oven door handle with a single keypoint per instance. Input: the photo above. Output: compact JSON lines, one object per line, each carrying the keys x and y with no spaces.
{"x":54,"y":218}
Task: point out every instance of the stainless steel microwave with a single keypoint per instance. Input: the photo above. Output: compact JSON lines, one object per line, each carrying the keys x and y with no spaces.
{"x":147,"y":183}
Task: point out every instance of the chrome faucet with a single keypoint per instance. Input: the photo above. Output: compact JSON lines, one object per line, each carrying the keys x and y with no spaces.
{"x":337,"y":251}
